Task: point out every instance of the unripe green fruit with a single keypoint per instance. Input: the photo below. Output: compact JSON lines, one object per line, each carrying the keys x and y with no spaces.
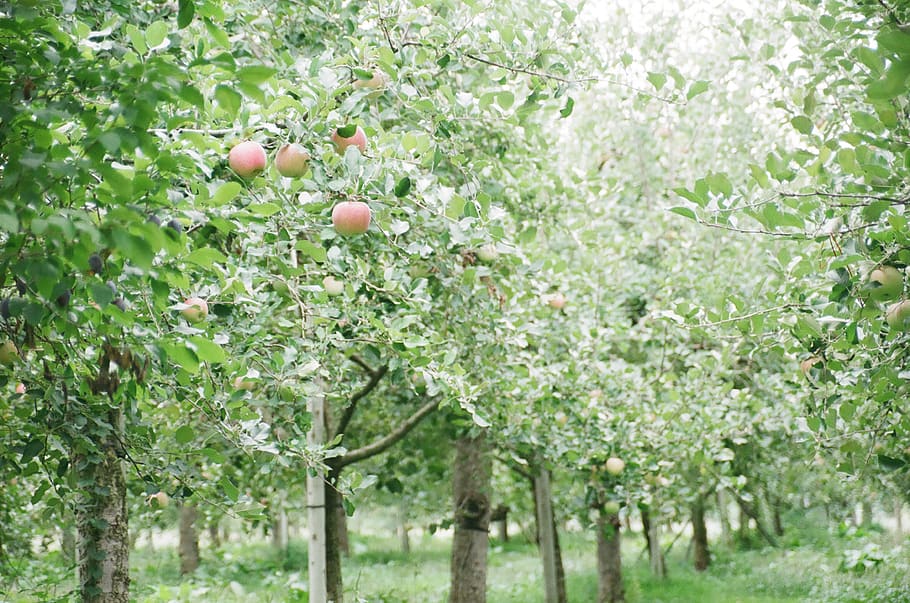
{"x":898,"y":316}
{"x":9,"y":353}
{"x":886,"y":282}
{"x":611,"y":507}
{"x":614,"y":465}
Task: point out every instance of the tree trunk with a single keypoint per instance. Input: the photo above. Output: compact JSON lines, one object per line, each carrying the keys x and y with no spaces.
{"x":726,"y":530}
{"x":500,"y":517}
{"x":214,"y":534}
{"x":280,"y":526}
{"x":333,"y":578}
{"x":471,"y":488}
{"x":68,"y":542}
{"x":651,"y":531}
{"x":560,"y":569}
{"x":344,"y":541}
{"x":776,"y":517}
{"x":700,"y":535}
{"x":898,"y":516}
{"x":103,"y":545}
{"x":547,"y":531}
{"x":743,"y":522}
{"x":609,"y":562}
{"x":401,"y":528}
{"x":189,"y":540}
{"x":316,"y":491}
{"x":867,"y":513}
{"x":746,"y":510}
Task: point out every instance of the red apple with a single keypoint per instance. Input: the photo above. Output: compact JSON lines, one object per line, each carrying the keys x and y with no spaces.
{"x":197,"y":309}
{"x":358,"y":139}
{"x":351,"y":217}
{"x":292,"y":161}
{"x":9,"y":353}
{"x":898,"y":316}
{"x":614,"y":465}
{"x":247,"y":158}
{"x":20,"y":388}
{"x":886,"y":282}
{"x":557,"y":301}
{"x":333,"y":286}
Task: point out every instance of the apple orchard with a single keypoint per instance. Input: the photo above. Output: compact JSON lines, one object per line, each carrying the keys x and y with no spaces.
{"x":275,"y":272}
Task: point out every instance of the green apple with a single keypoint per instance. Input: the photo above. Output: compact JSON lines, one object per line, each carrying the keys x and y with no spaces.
{"x":885,"y":282}
{"x":614,"y":466}
{"x":898,"y":316}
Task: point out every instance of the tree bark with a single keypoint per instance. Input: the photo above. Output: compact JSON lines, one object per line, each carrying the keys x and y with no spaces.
{"x":700,"y":535}
{"x":401,"y":527}
{"x":333,"y":577}
{"x":651,"y":531}
{"x":68,"y":542}
{"x":867,"y":513}
{"x":214,"y":534}
{"x":746,"y":510}
{"x":726,"y":530}
{"x":547,"y":531}
{"x":316,"y":506}
{"x":280,"y":527}
{"x":103,"y":545}
{"x":776,"y":516}
{"x":560,"y":569}
{"x":471,"y":488}
{"x":344,"y":541}
{"x":189,"y":540}
{"x":898,"y":516}
{"x":609,"y":561}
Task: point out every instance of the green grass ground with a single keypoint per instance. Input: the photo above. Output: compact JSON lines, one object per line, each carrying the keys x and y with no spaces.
{"x":808,"y":568}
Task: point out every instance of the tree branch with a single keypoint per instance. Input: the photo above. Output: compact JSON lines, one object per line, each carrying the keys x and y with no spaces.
{"x":382,"y":444}
{"x":375,"y":377}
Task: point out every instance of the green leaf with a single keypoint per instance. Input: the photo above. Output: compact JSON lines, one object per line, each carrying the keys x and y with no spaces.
{"x":255,"y":74}
{"x":505,"y":99}
{"x":102,"y":294}
{"x":206,"y":350}
{"x":185,"y":12}
{"x":657,"y":79}
{"x":403,"y":187}
{"x":263,"y":209}
{"x":31,"y":450}
{"x":135,"y":248}
{"x":184,"y":434}
{"x":228,"y":99}
{"x":896,"y":41}
{"x":347,"y":130}
{"x":316,"y":252}
{"x":691,"y":196}
{"x":156,"y":33}
{"x":890,"y":463}
{"x":137,"y":39}
{"x":697,"y":88}
{"x":802,"y":124}
{"x":213,"y":455}
{"x":225,"y":193}
{"x":182,"y":356}
{"x":569,"y":106}
{"x":230,"y":490}
{"x":685,"y":212}
{"x":205,"y":257}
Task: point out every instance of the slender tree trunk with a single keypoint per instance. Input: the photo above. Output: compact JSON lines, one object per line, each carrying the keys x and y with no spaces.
{"x":898,"y":517}
{"x":189,"y":540}
{"x":402,"y":529}
{"x":503,"y":526}
{"x":68,"y":542}
{"x":867,"y":513}
{"x":651,"y":529}
{"x":333,"y":577}
{"x":743,"y":522}
{"x":776,"y":517}
{"x":471,"y":486}
{"x":746,"y":510}
{"x":726,"y":530}
{"x":547,"y":531}
{"x":214,"y":534}
{"x":316,"y":506}
{"x":103,"y":544}
{"x":700,"y":535}
{"x":344,"y":541}
{"x":280,"y":527}
{"x":609,"y":561}
{"x":560,"y":569}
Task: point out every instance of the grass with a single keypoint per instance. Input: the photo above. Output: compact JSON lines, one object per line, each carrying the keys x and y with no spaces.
{"x":809,"y":567}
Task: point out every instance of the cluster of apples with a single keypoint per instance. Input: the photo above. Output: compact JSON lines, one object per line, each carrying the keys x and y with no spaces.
{"x":887,"y":283}
{"x":248,"y":159}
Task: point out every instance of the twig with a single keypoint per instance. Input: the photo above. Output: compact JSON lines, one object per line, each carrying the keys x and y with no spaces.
{"x":375,"y":377}
{"x":788,"y":306}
